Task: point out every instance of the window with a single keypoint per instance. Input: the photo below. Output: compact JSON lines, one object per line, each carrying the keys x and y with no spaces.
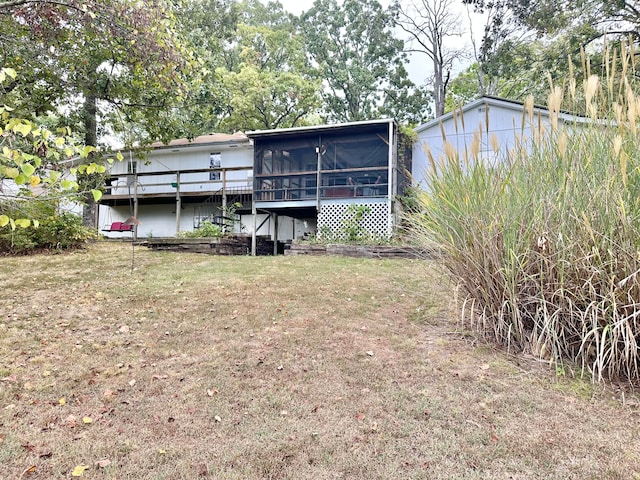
{"x":132,"y":170}
{"x":215,"y":161}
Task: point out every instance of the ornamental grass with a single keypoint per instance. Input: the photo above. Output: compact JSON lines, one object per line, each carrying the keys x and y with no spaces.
{"x":545,"y":240}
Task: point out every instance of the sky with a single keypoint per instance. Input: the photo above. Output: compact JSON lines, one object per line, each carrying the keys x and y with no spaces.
{"x":419,"y":67}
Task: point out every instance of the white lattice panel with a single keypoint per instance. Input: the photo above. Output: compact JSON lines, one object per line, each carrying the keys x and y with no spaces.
{"x":332,"y":217}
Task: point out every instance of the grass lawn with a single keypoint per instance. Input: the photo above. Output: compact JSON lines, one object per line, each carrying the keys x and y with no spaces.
{"x":199,"y":366}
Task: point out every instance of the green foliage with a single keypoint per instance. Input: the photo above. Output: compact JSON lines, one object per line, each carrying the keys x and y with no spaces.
{"x":269,"y":84}
{"x":229,"y":216}
{"x":546,"y":242}
{"x":206,"y":230}
{"x":30,"y":164}
{"x":352,"y":229}
{"x":121,"y":60}
{"x":523,"y":38}
{"x":54,"y":231}
{"x":360,"y":59}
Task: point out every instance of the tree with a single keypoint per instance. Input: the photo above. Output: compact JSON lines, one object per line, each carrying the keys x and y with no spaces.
{"x":563,"y":26}
{"x":268,"y":80}
{"x":29,"y":161}
{"x":429,"y":24}
{"x":100,"y":60}
{"x":361,"y":61}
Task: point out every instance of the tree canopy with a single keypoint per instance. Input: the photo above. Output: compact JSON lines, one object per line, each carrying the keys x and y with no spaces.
{"x":523,"y":41}
{"x":360,"y":59}
{"x":267,"y":80}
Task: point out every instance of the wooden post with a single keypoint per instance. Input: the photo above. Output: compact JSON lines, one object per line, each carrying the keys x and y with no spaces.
{"x":255,"y":226}
{"x":178,"y":202}
{"x":318,"y":178}
{"x":135,"y":204}
{"x":224,"y":199}
{"x":275,"y":234}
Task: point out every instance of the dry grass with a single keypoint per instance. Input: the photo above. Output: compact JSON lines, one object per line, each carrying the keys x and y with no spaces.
{"x":287,"y":367}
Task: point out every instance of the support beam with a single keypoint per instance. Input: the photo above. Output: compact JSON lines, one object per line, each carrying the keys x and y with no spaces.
{"x":135,"y":205}
{"x":178,"y":202}
{"x":224,"y":198}
{"x":255,"y":227}
{"x":275,"y":234}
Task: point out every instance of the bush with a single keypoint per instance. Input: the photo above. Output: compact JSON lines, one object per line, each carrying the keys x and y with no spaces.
{"x":206,"y":230}
{"x":546,"y":243}
{"x":55,"y":231}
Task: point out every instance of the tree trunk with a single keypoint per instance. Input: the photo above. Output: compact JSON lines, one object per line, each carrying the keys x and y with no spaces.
{"x":89,"y":118}
{"x":438,"y":87}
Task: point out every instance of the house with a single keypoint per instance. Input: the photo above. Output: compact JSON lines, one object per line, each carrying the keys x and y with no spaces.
{"x":284,"y":183}
{"x":314,"y":174}
{"x":496,"y":124}
{"x":178,"y":186}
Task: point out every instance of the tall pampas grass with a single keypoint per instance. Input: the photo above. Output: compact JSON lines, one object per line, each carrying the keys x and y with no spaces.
{"x":546,"y":243}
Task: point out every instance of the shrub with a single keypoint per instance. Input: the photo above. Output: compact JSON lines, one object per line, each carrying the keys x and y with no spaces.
{"x":546,"y":243}
{"x":206,"y":230}
{"x":54,"y":230}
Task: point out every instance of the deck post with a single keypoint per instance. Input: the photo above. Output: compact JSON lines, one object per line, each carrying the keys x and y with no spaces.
{"x":135,"y":205}
{"x":224,"y":198}
{"x":275,"y":234}
{"x":178,"y":202}
{"x":254,"y":212}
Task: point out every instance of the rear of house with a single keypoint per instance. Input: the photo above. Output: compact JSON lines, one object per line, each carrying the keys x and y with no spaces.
{"x":314,"y":175}
{"x":284,"y":183}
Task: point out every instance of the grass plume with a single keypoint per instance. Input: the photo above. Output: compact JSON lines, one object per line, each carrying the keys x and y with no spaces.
{"x":546,"y":243}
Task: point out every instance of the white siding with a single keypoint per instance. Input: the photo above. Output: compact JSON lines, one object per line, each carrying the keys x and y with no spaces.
{"x":485,"y":118}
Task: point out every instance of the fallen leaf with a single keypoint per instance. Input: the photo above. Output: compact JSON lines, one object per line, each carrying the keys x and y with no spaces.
{"x":124,"y":329}
{"x":46,"y":454}
{"x":1,"y":437}
{"x":109,"y":393}
{"x":78,"y":470}
{"x":212,"y":391}
{"x":71,"y":421}
{"x":132,"y":382}
{"x":103,"y":463}
{"x":217,"y":418}
{"x":203,"y":470}
{"x":87,"y":420}
{"x":493,"y":438}
{"x":485,"y":366}
{"x":370,"y":353}
{"x":359,"y":416}
{"x":28,"y":470}
{"x":162,"y":451}
{"x":62,"y":401}
{"x":13,"y":378}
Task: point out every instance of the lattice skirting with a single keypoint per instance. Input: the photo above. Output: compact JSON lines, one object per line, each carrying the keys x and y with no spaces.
{"x":334,"y":220}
